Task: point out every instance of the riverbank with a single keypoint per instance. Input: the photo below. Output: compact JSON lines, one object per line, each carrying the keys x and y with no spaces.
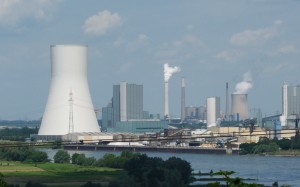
{"x":285,"y":153}
{"x":194,"y":150}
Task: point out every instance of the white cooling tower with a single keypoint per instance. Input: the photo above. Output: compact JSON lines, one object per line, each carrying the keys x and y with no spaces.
{"x":69,"y":107}
{"x":239,"y":105}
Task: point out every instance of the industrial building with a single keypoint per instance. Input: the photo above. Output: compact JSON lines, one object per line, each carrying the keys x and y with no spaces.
{"x":69,"y":107}
{"x":290,"y":104}
{"x":213,"y":111}
{"x":125,"y":113}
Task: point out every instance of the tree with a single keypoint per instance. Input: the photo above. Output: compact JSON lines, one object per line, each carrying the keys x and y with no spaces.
{"x":182,"y":166}
{"x":2,"y":182}
{"x":284,"y":144}
{"x":62,"y":156}
{"x":37,"y":156}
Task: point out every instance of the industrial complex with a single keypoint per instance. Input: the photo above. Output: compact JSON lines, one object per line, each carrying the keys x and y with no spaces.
{"x":70,"y":116}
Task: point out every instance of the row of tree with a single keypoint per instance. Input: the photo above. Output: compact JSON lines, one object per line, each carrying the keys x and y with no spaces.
{"x":142,"y":170}
{"x":266,"y":145}
{"x":23,"y":154}
{"x":17,"y":134}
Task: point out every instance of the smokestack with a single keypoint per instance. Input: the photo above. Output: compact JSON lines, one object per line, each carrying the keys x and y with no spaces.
{"x":166,"y":115}
{"x":168,"y":72}
{"x":182,"y":99}
{"x":227,"y":103}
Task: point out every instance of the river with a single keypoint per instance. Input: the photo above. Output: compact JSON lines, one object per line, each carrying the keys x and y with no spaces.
{"x":264,"y":169}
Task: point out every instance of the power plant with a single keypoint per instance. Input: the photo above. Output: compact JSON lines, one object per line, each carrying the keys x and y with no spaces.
{"x":69,"y":108}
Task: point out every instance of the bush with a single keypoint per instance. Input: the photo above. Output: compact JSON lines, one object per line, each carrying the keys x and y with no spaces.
{"x":62,"y":156}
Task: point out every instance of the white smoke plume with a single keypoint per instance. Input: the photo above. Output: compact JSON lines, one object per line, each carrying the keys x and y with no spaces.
{"x":245,"y":85}
{"x":169,"y":71}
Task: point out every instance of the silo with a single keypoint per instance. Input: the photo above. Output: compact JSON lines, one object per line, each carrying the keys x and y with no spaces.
{"x":239,"y":105}
{"x":69,"y":107}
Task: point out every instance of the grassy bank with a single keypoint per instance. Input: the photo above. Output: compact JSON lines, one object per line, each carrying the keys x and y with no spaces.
{"x":56,"y":174}
{"x":286,"y":153}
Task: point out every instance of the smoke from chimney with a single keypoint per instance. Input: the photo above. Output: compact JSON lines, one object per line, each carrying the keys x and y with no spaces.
{"x":245,"y":85}
{"x":169,"y":71}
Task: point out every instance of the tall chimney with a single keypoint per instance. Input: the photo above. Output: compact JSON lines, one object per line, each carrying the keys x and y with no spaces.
{"x":182,"y":99}
{"x":227,"y":103}
{"x":166,"y":115}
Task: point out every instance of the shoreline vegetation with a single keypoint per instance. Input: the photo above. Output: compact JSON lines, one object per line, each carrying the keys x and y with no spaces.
{"x":127,"y":169}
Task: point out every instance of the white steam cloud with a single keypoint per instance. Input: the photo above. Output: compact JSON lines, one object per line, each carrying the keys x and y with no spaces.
{"x":169,"y":71}
{"x":245,"y":85}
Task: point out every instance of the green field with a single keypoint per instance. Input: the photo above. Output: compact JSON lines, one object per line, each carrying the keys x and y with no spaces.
{"x":56,"y":174}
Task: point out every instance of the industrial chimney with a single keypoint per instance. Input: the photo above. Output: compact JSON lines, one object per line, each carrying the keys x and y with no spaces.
{"x":168,"y":72}
{"x":69,"y":107}
{"x":182,"y":99}
{"x":227,"y":103}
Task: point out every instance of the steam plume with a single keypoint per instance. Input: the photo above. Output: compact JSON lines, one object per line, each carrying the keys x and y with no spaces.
{"x":169,"y":71}
{"x":245,"y":85}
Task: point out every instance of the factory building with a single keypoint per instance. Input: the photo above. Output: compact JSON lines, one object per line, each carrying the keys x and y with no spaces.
{"x":213,"y":111}
{"x":125,"y":112}
{"x":127,"y":102}
{"x":192,"y":112}
{"x":290,"y":103}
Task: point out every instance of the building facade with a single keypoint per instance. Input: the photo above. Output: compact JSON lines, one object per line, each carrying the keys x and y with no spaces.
{"x":290,"y":103}
{"x":125,"y":113}
{"x":213,"y":111}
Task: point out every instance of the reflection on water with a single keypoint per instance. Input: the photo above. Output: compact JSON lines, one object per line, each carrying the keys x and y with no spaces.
{"x":267,"y":169}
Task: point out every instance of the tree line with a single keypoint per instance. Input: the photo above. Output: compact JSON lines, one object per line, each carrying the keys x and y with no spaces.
{"x":266,"y":145}
{"x":17,"y":134}
{"x":143,"y":171}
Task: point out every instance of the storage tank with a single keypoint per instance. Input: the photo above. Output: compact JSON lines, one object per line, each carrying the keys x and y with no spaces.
{"x":69,"y":107}
{"x":239,"y":105}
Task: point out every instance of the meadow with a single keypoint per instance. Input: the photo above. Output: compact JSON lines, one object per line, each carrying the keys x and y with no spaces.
{"x":57,"y":175}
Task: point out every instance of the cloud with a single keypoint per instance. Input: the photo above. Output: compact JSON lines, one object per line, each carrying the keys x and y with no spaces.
{"x":255,"y":37}
{"x":100,"y":23}
{"x":228,"y":55}
{"x":287,"y":49}
{"x":13,"y":12}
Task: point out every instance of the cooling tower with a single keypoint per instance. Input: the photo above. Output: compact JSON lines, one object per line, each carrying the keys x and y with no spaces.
{"x":239,"y":105}
{"x":69,"y":107}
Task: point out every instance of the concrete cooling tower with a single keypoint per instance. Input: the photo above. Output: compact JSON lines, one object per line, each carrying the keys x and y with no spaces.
{"x":239,"y":106}
{"x":69,"y":107}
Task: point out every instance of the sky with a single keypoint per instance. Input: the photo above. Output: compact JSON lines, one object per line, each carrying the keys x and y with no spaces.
{"x":211,"y":41}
